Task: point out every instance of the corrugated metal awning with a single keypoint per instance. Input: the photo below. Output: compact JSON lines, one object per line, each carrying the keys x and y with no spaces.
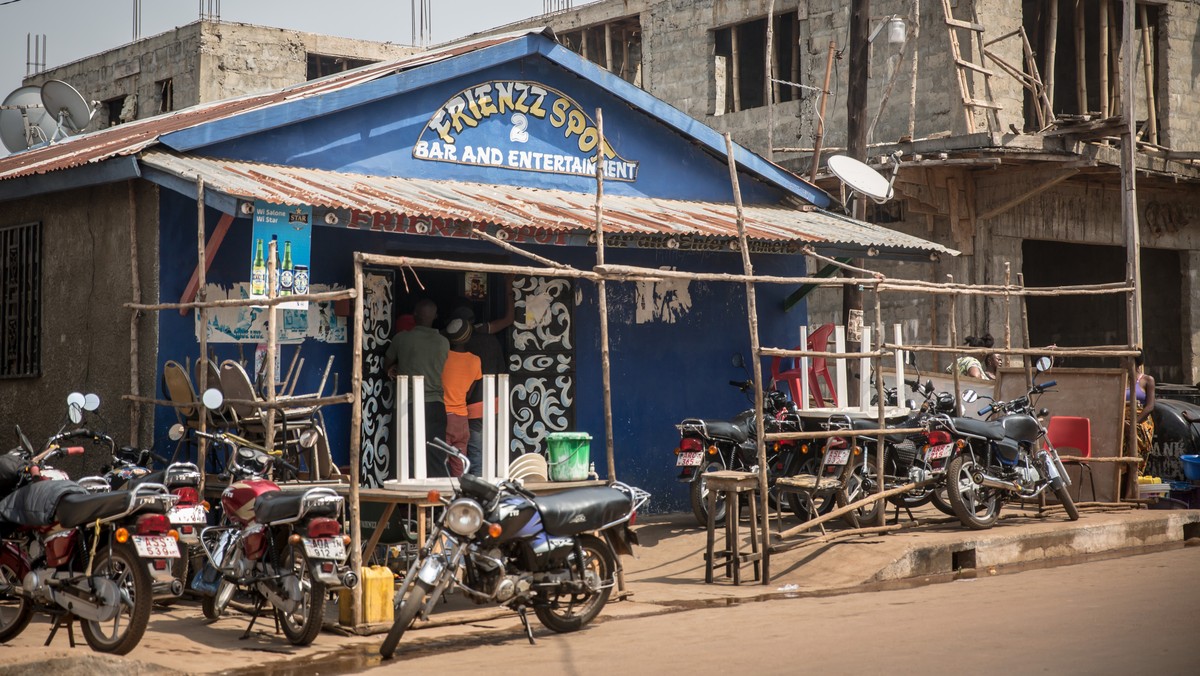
{"x":533,"y":208}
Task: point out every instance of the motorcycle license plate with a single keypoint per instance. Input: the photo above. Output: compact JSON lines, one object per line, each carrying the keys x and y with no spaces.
{"x":839,"y":457}
{"x":193,"y":515}
{"x":156,"y":547}
{"x":324,"y":548}
{"x":689,"y":459}
{"x":939,"y":452}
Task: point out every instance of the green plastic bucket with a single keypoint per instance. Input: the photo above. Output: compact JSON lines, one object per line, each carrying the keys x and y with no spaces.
{"x":568,"y":455}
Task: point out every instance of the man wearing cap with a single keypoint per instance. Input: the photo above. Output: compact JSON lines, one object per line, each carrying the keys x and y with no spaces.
{"x":460,"y":375}
{"x":483,"y":344}
{"x":422,"y":351}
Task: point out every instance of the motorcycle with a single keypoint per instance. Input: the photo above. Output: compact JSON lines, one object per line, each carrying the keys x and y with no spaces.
{"x":1007,"y":456}
{"x":282,"y":549}
{"x":76,"y":555}
{"x":707,"y":445}
{"x":502,"y":544}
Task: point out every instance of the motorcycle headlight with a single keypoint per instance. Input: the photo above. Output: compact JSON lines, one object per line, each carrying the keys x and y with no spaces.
{"x":464,"y":516}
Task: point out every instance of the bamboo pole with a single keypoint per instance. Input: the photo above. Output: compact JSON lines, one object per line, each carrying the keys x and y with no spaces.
{"x":272,"y":346}
{"x":755,"y":347}
{"x":780,"y":352}
{"x":836,"y":535}
{"x":879,"y":440}
{"x":1008,"y":307}
{"x":602,"y":290}
{"x":356,"y":605}
{"x":438,"y":264}
{"x":1129,"y":218}
{"x":608,"y":51}
{"x":135,"y":411}
{"x":324,"y":296}
{"x":736,"y":72}
{"x":1115,"y":59}
{"x":807,"y":525}
{"x":202,"y":296}
{"x":1051,"y":50}
{"x":296,"y":402}
{"x":1148,"y":64}
{"x":819,"y":136}
{"x":771,"y":91}
{"x":1081,"y":56}
{"x":1115,"y":351}
{"x":912,"y":92}
{"x":826,"y":434}
{"x":954,"y":345}
{"x":517,"y":250}
{"x":1105,"y":108}
{"x":631,"y":273}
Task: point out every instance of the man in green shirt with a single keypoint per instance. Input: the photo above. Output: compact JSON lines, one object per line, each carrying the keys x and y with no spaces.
{"x":422,"y":351}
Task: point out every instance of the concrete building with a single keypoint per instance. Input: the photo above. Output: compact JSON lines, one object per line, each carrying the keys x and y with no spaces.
{"x":1018,"y":180}
{"x":208,"y":61}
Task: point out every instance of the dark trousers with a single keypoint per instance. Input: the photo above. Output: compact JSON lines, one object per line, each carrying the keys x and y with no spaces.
{"x":435,"y":428}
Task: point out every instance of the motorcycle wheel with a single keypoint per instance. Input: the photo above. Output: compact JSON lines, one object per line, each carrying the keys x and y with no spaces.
{"x":213,"y":605}
{"x":571,"y":611}
{"x":123,"y":567}
{"x":976,"y":507}
{"x":859,"y":486}
{"x":941,"y":501}
{"x":15,"y":609}
{"x":1064,"y":496}
{"x":699,"y":495}
{"x":410,"y":605}
{"x":799,"y":507}
{"x":911,"y":501}
{"x":302,"y":626}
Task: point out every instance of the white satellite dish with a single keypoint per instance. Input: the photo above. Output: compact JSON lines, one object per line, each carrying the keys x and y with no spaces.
{"x":861,"y":178}
{"x":23,"y":120}
{"x":67,"y":107}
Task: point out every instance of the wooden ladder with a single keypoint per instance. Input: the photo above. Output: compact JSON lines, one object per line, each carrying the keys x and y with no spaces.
{"x":966,"y":73}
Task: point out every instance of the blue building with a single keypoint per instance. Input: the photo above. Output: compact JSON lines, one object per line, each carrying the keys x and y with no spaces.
{"x":410,"y":158}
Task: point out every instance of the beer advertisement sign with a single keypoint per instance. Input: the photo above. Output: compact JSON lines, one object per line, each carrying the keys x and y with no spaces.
{"x":518,"y":125}
{"x":290,"y":228}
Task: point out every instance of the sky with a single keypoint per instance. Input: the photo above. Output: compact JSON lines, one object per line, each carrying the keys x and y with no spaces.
{"x":78,"y":28}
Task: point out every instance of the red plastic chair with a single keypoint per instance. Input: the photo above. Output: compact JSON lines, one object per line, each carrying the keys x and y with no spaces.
{"x":818,"y":341}
{"x":1074,"y":434}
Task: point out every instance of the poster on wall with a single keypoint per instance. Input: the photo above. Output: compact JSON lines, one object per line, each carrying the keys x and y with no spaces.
{"x":290,"y":228}
{"x":249,"y":324}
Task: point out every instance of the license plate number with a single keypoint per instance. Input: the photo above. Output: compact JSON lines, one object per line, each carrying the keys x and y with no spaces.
{"x":324,"y":548}
{"x":839,"y":457}
{"x":689,"y":459}
{"x":149,"y":547}
{"x":939,"y":452}
{"x":193,"y":515}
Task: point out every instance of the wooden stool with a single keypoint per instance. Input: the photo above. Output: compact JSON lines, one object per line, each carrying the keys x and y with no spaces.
{"x":732,"y":485}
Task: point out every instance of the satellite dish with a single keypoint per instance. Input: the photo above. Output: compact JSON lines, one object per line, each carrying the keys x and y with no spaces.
{"x":861,"y":178}
{"x":23,"y":120}
{"x":66,"y":106}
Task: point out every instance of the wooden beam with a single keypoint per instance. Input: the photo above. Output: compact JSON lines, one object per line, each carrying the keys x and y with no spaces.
{"x":1043,"y":186}
{"x":210,"y":252}
{"x":1051,"y":49}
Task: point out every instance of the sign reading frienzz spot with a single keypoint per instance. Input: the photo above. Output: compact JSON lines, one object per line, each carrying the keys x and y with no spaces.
{"x":524,"y":126}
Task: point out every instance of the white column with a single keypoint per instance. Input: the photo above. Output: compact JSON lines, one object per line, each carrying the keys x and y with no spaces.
{"x":901,"y":388}
{"x":503,"y":425}
{"x":488,"y":471}
{"x":420,"y":472}
{"x":804,"y":366}
{"x":864,"y":373}
{"x":839,"y":346}
{"x":402,"y":428}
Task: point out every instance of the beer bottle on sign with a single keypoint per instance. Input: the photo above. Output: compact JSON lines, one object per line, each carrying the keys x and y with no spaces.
{"x":258,"y":272}
{"x":275,"y":241}
{"x":287,"y":275}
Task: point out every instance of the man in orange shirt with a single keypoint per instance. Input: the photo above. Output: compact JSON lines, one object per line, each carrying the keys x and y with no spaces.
{"x":460,"y":374}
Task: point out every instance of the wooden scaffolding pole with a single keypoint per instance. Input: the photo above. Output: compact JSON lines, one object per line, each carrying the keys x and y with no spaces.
{"x":602,"y":298}
{"x":1051,"y":50}
{"x":202,"y":296}
{"x":771,"y":91}
{"x":1129,"y":218}
{"x":1105,"y":107}
{"x":135,"y":409}
{"x":819,"y":135}
{"x":755,"y":348}
{"x":356,"y":558}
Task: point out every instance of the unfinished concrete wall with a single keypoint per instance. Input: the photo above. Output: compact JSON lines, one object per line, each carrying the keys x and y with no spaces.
{"x":86,"y":280}
{"x":1179,"y":104}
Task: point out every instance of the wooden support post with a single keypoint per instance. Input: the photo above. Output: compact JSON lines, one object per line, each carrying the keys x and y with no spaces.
{"x":356,"y":606}
{"x":1025,"y":332}
{"x":1105,"y":109}
{"x":1008,"y":307}
{"x":608,"y":51}
{"x":879,"y":440}
{"x":771,"y":90}
{"x":1081,"y":55}
{"x":202,"y":295}
{"x":819,"y":136}
{"x":272,"y":346}
{"x":736,"y":71}
{"x":1133,"y":242}
{"x":602,"y":289}
{"x":1051,"y":49}
{"x":1115,"y":52}
{"x":135,"y":409}
{"x":755,"y":349}
{"x":954,"y":345}
{"x":1151,"y":128}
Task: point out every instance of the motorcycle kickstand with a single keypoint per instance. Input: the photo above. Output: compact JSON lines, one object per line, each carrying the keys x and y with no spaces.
{"x":258,"y":604}
{"x":523,"y":614}
{"x":63,"y":619}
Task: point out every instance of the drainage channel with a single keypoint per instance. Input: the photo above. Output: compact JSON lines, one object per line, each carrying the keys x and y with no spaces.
{"x":361,"y":656}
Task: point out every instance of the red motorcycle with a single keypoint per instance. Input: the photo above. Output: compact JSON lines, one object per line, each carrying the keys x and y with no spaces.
{"x":281,"y":549}
{"x":76,"y":555}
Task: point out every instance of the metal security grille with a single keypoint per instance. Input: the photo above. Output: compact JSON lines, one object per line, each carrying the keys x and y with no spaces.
{"x":21,"y":301}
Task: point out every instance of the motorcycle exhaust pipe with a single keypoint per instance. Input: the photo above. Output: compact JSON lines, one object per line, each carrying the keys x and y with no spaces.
{"x":176,"y":588}
{"x":350,"y":579}
{"x":987,"y":481}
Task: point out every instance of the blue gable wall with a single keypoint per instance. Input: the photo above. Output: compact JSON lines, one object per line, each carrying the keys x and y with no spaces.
{"x":661,"y":372}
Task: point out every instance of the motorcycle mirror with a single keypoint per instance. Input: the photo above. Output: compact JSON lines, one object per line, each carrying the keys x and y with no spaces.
{"x":910,"y":358}
{"x":91,"y":402}
{"x":1043,"y":364}
{"x":911,"y":404}
{"x":737,"y":361}
{"x":75,"y":402}
{"x":970,"y":396}
{"x":176,"y":432}
{"x":213,"y":399}
{"x":308,"y":438}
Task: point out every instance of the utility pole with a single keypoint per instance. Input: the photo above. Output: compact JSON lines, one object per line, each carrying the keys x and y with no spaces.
{"x":856,"y":147}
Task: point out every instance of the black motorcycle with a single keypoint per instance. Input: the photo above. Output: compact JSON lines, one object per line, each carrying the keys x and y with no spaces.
{"x":1006,"y":457}
{"x":502,"y":544}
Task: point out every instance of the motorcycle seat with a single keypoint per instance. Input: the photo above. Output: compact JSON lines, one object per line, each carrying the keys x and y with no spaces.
{"x":867,"y":424}
{"x":156,"y":477}
{"x":581,"y":509}
{"x":77,"y":509}
{"x":988,"y":430}
{"x":723,"y":429}
{"x":276,"y":506}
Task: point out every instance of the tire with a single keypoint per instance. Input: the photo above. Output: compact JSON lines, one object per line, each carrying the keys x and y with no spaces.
{"x":699,"y":494}
{"x":941,"y":501}
{"x":410,"y":605}
{"x":572,"y":611}
{"x":800,"y":507}
{"x":121,"y":564}
{"x":214,"y":605}
{"x":1064,"y":496}
{"x":302,"y":626}
{"x":859,"y":486}
{"x":15,"y":609}
{"x":976,"y":507}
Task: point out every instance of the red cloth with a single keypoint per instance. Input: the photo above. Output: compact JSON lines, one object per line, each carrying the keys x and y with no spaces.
{"x":458,"y":432}
{"x":405,"y":322}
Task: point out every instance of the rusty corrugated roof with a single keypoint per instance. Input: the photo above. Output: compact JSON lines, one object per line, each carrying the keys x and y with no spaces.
{"x":520,"y":207}
{"x":132,"y":137}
